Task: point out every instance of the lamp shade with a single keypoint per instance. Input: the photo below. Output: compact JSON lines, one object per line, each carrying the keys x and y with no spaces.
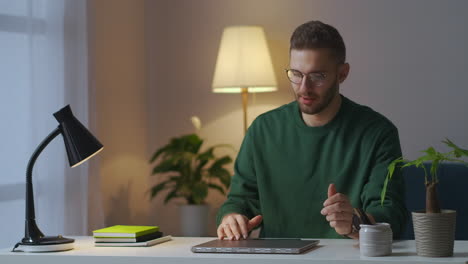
{"x":243,"y":62}
{"x":79,"y":142}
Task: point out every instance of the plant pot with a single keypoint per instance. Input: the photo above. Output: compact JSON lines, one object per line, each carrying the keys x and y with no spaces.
{"x":434,"y":233}
{"x":194,"y":220}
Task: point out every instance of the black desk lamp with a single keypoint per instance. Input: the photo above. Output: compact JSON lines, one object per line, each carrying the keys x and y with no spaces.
{"x":80,"y":145}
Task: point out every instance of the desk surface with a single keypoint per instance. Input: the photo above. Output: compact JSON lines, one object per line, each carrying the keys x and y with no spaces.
{"x":178,"y":251}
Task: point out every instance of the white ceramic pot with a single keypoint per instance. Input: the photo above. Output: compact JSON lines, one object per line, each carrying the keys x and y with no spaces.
{"x":375,"y":240}
{"x":194,"y":220}
{"x":434,"y":233}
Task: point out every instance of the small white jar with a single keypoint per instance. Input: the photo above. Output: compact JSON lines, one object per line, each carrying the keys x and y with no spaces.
{"x":375,"y":240}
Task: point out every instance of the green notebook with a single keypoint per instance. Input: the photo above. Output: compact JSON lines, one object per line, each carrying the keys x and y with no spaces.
{"x":124,"y":231}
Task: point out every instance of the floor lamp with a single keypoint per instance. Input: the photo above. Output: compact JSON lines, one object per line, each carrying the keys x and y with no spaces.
{"x":244,"y":64}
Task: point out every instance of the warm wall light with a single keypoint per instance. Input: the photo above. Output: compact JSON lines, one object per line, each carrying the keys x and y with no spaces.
{"x":244,"y":64}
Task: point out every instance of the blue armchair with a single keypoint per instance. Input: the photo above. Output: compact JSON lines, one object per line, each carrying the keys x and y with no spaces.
{"x":452,"y":191}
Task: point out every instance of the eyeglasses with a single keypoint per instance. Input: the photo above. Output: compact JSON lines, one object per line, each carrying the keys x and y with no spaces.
{"x":316,"y":78}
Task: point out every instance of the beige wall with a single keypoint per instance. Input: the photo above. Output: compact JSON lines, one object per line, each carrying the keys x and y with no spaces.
{"x":182,"y":45}
{"x":407,"y":61}
{"x":118,"y":75}
{"x":154,"y":63}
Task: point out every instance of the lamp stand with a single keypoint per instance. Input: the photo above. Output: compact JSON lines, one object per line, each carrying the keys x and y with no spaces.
{"x":245,"y":97}
{"x":34,"y":240}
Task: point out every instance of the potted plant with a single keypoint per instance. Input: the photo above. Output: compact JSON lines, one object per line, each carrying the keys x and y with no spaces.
{"x":189,"y":173}
{"x":434,"y":228}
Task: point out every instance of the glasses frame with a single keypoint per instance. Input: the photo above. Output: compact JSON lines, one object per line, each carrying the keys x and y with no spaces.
{"x":309,"y":76}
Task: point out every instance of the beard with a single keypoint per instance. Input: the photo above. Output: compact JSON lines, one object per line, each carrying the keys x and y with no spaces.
{"x":321,"y":103}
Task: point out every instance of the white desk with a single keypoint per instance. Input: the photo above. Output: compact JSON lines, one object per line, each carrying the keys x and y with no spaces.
{"x":178,"y":251}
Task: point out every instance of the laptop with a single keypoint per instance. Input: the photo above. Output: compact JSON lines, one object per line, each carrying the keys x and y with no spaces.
{"x":257,"y":246}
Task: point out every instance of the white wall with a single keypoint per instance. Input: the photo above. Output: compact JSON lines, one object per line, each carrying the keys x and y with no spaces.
{"x":408,"y":61}
{"x":43,"y":67}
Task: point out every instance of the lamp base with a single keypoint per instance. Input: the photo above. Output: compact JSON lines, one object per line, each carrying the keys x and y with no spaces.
{"x":47,"y":244}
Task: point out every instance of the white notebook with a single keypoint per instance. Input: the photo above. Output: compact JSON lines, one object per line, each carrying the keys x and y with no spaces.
{"x":134,"y":244}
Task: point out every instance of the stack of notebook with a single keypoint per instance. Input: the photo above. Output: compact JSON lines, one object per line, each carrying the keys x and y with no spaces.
{"x":128,"y":236}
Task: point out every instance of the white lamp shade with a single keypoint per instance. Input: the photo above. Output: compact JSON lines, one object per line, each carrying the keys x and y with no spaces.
{"x":244,"y":62}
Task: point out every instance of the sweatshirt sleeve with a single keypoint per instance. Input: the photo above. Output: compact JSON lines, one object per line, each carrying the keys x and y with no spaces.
{"x":393,"y":210}
{"x":243,"y":196}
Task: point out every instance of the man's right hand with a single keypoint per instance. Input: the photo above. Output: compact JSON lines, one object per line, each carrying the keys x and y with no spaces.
{"x":235,"y":226}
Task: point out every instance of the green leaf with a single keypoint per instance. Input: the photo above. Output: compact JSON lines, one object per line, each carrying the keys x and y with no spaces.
{"x":176,"y":179}
{"x":459,"y":152}
{"x":384,"y":190}
{"x":390,"y":171}
{"x":456,"y":160}
{"x":225,"y":178}
{"x":431,"y":156}
{"x":199,"y":192}
{"x":434,"y":169}
{"x":431,"y":152}
{"x":222,"y":174}
{"x":182,"y":156}
{"x":222,"y":161}
{"x":217,"y":187}
{"x":159,"y":152}
{"x":202,"y":160}
{"x":171,"y":195}
{"x":165,"y":166}
{"x":207,"y":155}
{"x":217,"y":171}
{"x":159,"y":187}
{"x":190,"y":143}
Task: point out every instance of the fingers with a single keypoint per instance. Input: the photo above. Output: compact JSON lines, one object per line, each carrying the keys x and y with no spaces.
{"x":336,"y":198}
{"x":338,"y":211}
{"x":336,"y":202}
{"x":331,"y":190}
{"x":228,"y":232}
{"x":341,"y":227}
{"x":243,"y":225}
{"x":343,"y":216}
{"x":236,"y":226}
{"x":254,"y":222}
{"x":220,"y":232}
{"x":341,"y":222}
{"x":337,"y":208}
{"x":224,"y":229}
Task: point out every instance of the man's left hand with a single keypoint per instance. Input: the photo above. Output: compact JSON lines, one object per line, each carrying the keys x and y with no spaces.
{"x":338,"y":211}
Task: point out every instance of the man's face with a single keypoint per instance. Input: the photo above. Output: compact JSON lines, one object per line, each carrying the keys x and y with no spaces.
{"x":314,"y":96}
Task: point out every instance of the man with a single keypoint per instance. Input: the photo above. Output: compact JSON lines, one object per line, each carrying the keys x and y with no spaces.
{"x":304,"y":166}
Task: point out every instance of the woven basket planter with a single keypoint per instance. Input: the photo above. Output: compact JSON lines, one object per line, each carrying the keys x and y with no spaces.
{"x":434,"y":233}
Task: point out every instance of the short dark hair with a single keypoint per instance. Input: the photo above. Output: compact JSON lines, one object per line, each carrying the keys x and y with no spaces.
{"x":316,"y":34}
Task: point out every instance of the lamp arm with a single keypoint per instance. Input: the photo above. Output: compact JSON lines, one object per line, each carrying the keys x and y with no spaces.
{"x":31,"y":229}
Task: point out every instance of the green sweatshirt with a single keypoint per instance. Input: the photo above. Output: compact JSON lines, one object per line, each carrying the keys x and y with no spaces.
{"x":284,"y":167}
